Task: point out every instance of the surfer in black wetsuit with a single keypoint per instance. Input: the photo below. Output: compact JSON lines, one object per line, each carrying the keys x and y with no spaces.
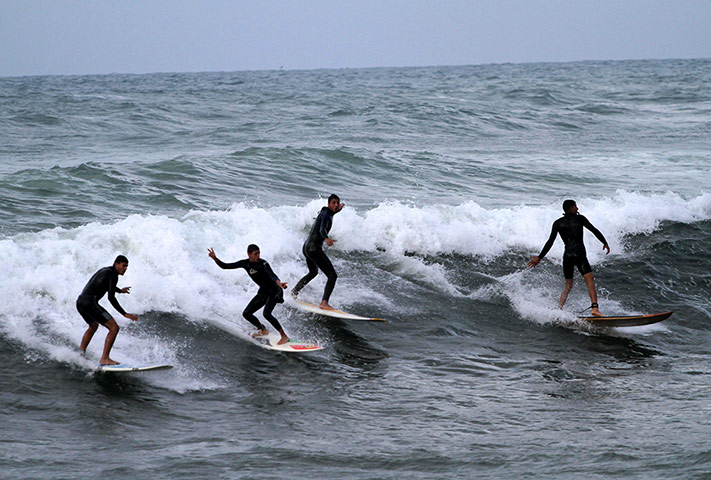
{"x":104,"y":281}
{"x":570,"y":228}
{"x":313,"y":251}
{"x":271,"y":289}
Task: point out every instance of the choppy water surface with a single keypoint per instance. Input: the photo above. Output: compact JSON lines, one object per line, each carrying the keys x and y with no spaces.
{"x":452,"y":177}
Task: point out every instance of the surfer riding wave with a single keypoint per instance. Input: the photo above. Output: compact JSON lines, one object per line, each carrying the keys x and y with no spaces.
{"x":570,"y":228}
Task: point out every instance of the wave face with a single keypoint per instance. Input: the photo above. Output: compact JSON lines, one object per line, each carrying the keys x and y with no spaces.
{"x":452,"y":177}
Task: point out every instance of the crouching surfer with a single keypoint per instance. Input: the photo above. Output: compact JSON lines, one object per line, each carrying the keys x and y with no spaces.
{"x":271,"y":289}
{"x":102,"y":282}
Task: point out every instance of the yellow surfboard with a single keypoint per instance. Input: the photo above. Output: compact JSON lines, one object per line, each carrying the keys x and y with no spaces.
{"x":628,"y":321}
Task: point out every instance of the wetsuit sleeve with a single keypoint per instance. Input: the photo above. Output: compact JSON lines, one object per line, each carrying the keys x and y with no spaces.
{"x":230,"y":266}
{"x":325,"y":225}
{"x":270,"y":272}
{"x":551,"y":239}
{"x":113,"y":289}
{"x":595,"y":231}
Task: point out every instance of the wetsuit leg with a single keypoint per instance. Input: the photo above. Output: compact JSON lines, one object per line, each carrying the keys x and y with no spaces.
{"x":569,"y":264}
{"x":255,"y":304}
{"x":326,"y":267}
{"x":91,"y":311}
{"x":271,"y":303}
{"x":313,"y":271}
{"x":584,"y":266}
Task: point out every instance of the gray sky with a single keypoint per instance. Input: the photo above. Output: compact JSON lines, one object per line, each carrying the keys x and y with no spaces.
{"x":40,"y":37}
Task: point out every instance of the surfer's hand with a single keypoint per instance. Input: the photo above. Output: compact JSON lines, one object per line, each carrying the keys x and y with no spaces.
{"x":132,"y":316}
{"x":329,"y":242}
{"x":125,"y":290}
{"x":534,"y":261}
{"x":606,"y":247}
{"x":211,"y":254}
{"x":281,"y":284}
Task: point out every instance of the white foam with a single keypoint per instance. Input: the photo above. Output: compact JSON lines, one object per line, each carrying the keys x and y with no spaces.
{"x":473,"y":230}
{"x":170,"y":271}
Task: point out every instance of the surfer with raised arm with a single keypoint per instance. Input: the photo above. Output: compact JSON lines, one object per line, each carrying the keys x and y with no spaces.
{"x":313,"y":251}
{"x":102,"y":282}
{"x":271,"y":290}
{"x":570,"y":229}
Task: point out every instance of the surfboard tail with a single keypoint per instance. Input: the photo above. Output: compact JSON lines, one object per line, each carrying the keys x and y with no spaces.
{"x":628,"y":320}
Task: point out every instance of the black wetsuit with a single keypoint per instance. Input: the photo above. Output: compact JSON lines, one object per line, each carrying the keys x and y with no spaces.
{"x":104,"y":281}
{"x":570,"y":228}
{"x":315,"y":256}
{"x":268,"y":295}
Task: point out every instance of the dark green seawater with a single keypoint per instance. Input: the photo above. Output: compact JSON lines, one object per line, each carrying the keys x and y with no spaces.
{"x":451,"y":177}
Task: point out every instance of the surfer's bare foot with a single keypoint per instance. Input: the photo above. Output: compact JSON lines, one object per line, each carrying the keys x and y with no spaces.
{"x":108,"y":361}
{"x":325,"y":305}
{"x":596,"y":313}
{"x":284,"y":339}
{"x":262,"y":332}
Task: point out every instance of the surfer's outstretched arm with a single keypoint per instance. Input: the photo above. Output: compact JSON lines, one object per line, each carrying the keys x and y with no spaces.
{"x":549,"y":243}
{"x":223,"y":265}
{"x":598,"y":234}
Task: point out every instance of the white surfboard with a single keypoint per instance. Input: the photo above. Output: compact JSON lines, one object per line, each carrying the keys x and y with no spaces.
{"x":269,"y":341}
{"x":295,"y":346}
{"x":311,"y":308}
{"x":125,"y":368}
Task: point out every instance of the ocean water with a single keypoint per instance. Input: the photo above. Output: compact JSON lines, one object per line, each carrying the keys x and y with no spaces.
{"x":451,"y":177}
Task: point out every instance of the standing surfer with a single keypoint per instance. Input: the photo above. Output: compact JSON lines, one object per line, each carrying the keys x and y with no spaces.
{"x":102,"y":282}
{"x":570,"y":228}
{"x":313,"y":251}
{"x":271,"y":289}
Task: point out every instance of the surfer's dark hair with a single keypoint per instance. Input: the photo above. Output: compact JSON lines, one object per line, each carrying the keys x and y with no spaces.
{"x":121,"y":259}
{"x":333,"y":196}
{"x":567,"y":204}
{"x":252,"y":248}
